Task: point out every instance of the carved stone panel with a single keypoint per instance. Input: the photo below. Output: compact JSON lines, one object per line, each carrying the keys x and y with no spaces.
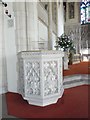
{"x":50,"y":77}
{"x":32,"y":77}
{"x":21,"y":89}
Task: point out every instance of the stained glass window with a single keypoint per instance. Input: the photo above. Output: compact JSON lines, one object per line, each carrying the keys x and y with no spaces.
{"x":85,"y":11}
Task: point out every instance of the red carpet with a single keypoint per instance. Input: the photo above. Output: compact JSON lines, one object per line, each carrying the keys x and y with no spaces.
{"x":74,"y":104}
{"x":80,"y":68}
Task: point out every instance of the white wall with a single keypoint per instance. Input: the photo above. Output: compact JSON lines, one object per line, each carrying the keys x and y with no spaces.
{"x":42,"y":13}
{"x":10,"y":50}
{"x":53,"y":41}
{"x":3,"y":77}
{"x":1,"y":48}
{"x":32,"y":25}
{"x":43,"y":35}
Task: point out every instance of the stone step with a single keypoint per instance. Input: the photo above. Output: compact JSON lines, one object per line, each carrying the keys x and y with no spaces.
{"x":76,"y":80}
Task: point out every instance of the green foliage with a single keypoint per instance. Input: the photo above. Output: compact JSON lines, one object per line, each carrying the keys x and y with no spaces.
{"x":72,"y":49}
{"x":66,"y":43}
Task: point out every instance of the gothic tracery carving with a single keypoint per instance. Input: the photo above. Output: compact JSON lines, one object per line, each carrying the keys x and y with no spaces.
{"x":32,"y":77}
{"x":51,"y":77}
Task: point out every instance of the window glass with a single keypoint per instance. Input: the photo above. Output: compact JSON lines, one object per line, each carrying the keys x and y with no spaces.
{"x":85,"y":11}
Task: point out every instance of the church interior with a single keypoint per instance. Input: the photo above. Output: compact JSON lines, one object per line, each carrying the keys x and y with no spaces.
{"x":44,"y":59}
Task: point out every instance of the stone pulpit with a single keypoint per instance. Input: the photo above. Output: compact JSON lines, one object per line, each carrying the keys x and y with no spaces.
{"x":40,"y":76}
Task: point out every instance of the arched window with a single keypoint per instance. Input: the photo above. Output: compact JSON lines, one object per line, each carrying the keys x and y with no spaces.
{"x":85,"y":11}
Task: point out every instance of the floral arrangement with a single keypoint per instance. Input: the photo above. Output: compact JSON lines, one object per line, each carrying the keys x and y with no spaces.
{"x":66,"y":43}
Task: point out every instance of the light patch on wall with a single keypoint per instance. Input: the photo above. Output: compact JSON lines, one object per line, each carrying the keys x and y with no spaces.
{"x":10,"y":23}
{"x":41,"y":45}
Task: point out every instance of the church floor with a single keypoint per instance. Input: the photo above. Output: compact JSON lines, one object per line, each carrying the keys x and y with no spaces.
{"x":74,"y":103}
{"x":3,"y":112}
{"x":79,"y":68}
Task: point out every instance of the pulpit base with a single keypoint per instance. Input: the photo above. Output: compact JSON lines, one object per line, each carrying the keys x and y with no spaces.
{"x":44,"y":101}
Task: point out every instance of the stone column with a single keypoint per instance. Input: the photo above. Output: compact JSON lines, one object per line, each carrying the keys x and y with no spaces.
{"x":32,"y":25}
{"x":60,"y":18}
{"x":49,"y":25}
{"x":60,"y":28}
{"x":1,"y":46}
{"x":79,"y":29}
{"x":20,"y":22}
{"x":57,"y":7}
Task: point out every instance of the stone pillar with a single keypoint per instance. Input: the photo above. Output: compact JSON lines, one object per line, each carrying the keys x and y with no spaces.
{"x":20,"y":22}
{"x":32,"y":25}
{"x":49,"y":25}
{"x":60,"y":28}
{"x":79,"y":38}
{"x":1,"y":27}
{"x":57,"y":7}
{"x":1,"y":38}
{"x":60,"y":18}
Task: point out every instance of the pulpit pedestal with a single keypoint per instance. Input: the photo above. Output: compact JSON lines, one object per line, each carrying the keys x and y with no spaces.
{"x":40,"y":76}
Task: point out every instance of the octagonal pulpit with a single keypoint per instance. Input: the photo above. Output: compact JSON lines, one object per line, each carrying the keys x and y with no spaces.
{"x":40,"y":76}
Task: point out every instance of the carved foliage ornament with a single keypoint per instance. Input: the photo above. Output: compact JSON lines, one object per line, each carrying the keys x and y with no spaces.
{"x":32,"y":77}
{"x":50,"y":77}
